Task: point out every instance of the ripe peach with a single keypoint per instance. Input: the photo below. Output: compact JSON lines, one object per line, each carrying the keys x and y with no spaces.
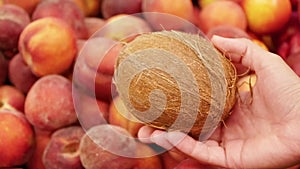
{"x":3,"y":68}
{"x":93,"y":24}
{"x":28,"y":5}
{"x":48,"y":46}
{"x":265,"y":16}
{"x":110,"y":8}
{"x":227,"y":31}
{"x":49,"y":103}
{"x":89,"y":7}
{"x":62,"y":149}
{"x":12,"y":22}
{"x":179,"y":8}
{"x":20,"y":75}
{"x":94,"y":67}
{"x":66,"y":10}
{"x":17,"y":138}
{"x":90,"y":111}
{"x":11,"y":98}
{"x":147,"y":158}
{"x":107,"y":147}
{"x":222,"y":13}
{"x":119,"y":116}
{"x":42,"y":139}
{"x":121,"y":26}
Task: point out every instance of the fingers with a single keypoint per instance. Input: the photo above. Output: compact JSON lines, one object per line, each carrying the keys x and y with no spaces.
{"x":244,"y":51}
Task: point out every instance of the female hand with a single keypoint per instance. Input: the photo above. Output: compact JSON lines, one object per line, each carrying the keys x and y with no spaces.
{"x":262,"y":134}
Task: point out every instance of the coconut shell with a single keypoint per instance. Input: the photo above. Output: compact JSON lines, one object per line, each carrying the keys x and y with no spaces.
{"x":172,"y":80}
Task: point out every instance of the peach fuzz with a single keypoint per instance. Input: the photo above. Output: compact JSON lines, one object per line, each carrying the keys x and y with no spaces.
{"x":48,"y":46}
{"x":222,"y":13}
{"x":110,"y":8}
{"x":65,"y":10}
{"x":17,"y":147}
{"x":265,"y":16}
{"x":120,"y":116}
{"x":28,"y":5}
{"x":11,"y":98}
{"x":180,"y":8}
{"x":98,"y":149}
{"x":20,"y":74}
{"x":49,"y":103}
{"x":62,"y":149}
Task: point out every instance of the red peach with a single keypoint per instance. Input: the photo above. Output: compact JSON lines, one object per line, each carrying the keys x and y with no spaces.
{"x":28,"y":5}
{"x":89,"y":7}
{"x":93,"y":24}
{"x":12,"y":22}
{"x":66,"y":10}
{"x":147,"y":158}
{"x":49,"y":103}
{"x":110,"y":8}
{"x":121,"y":26}
{"x":222,"y":13}
{"x":62,"y":149}
{"x":120,"y":116}
{"x":11,"y":98}
{"x":42,"y":139}
{"x":179,"y":8}
{"x":20,"y":75}
{"x":265,"y":16}
{"x":17,"y":147}
{"x":3,"y":68}
{"x":107,"y":147}
{"x":48,"y":46}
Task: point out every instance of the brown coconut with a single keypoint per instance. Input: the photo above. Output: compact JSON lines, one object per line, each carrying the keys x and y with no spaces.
{"x":172,"y":80}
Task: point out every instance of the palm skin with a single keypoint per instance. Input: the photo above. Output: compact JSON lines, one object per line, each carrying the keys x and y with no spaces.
{"x":263,"y":133}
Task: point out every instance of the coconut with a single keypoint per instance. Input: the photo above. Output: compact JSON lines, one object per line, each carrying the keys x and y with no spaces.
{"x":176,"y":81}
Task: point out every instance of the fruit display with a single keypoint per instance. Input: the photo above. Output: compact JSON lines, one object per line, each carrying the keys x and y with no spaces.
{"x":74,"y":87}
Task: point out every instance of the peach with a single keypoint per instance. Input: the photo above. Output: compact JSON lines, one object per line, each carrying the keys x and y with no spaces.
{"x":66,"y":10}
{"x":49,"y":103}
{"x":28,"y":5}
{"x":265,"y":16}
{"x":111,"y":8}
{"x":20,"y":75}
{"x":93,"y":24}
{"x":94,"y":67}
{"x":11,"y":98}
{"x":48,"y":46}
{"x":120,"y":116}
{"x":42,"y":139}
{"x":227,"y":31}
{"x":192,"y":164}
{"x":89,"y":7}
{"x":222,"y":13}
{"x":147,"y":158}
{"x":168,"y":161}
{"x":12,"y":22}
{"x":107,"y":147}
{"x":3,"y":68}
{"x":179,"y":8}
{"x":90,"y":111}
{"x":62,"y":149}
{"x":121,"y":26}
{"x":17,"y":147}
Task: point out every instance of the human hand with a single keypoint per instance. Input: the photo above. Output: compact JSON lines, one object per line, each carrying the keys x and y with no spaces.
{"x":261,"y":134}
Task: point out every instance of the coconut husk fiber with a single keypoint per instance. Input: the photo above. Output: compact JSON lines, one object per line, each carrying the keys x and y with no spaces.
{"x":174,"y":81}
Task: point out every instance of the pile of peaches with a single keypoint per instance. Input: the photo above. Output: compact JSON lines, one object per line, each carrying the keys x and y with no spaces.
{"x":58,"y":104}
